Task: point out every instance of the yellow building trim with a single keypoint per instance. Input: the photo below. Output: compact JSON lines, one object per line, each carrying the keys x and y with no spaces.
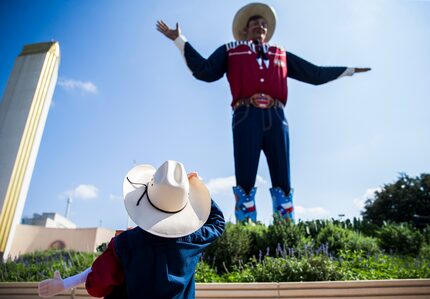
{"x":14,"y":190}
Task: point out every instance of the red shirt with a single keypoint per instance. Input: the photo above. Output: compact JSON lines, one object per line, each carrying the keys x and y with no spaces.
{"x":248,"y":74}
{"x":106,"y":273}
{"x":250,"y":71}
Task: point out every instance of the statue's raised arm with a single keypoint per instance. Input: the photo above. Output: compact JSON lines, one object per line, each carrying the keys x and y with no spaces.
{"x":167,"y":31}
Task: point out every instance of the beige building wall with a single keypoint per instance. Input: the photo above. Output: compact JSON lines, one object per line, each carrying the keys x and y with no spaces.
{"x":30,"y":238}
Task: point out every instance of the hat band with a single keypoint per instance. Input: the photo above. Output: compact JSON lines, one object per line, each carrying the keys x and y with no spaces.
{"x":149,"y":200}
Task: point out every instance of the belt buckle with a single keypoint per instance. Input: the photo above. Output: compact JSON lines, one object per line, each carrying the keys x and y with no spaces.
{"x":262,"y":101}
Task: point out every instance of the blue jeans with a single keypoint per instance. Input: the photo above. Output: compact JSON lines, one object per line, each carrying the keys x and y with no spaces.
{"x":256,"y":129}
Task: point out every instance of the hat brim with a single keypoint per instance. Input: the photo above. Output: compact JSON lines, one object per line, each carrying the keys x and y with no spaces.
{"x":242,"y":16}
{"x":156,"y":222}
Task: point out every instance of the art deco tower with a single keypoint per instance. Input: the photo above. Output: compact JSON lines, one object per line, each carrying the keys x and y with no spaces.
{"x":23,"y":112}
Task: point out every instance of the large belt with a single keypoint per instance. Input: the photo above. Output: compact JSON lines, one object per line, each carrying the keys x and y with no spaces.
{"x":259,"y":100}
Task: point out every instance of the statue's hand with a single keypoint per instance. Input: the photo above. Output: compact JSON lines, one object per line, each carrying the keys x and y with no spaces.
{"x":169,"y":33}
{"x":361,"y":69}
{"x":50,"y":287}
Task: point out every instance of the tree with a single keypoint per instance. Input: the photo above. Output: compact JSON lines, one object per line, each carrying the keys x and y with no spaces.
{"x":400,"y":201}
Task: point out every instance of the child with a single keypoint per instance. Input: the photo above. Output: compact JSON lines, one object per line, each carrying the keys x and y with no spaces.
{"x":176,"y":221}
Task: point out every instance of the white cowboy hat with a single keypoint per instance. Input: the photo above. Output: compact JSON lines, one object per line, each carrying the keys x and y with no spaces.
{"x":164,"y":202}
{"x":242,"y":16}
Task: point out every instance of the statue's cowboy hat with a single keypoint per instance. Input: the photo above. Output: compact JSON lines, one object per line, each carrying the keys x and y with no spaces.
{"x":164,"y":202}
{"x":254,"y":9}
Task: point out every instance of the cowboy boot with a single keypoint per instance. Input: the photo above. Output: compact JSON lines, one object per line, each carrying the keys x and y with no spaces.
{"x":245,"y":204}
{"x":282,"y":204}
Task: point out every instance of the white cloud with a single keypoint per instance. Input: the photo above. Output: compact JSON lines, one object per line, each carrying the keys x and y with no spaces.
{"x":71,"y":84}
{"x":225,"y":184}
{"x":113,"y":197}
{"x":221,"y":185}
{"x":261,"y":182}
{"x":310,"y":213}
{"x":82,"y":192}
{"x":369,"y":194}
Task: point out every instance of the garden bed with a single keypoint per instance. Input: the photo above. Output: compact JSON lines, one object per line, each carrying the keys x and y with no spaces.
{"x":379,"y":289}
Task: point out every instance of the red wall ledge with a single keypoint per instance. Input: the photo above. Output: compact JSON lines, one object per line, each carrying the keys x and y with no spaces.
{"x":362,"y":289}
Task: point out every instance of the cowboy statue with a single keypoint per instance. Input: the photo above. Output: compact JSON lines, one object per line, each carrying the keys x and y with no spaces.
{"x":257,"y":73}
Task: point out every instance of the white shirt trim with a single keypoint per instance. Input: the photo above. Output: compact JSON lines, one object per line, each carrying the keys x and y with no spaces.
{"x":74,"y":281}
{"x":348,"y":72}
{"x":180,"y":43}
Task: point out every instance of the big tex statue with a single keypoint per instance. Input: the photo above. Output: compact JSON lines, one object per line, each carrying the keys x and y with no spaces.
{"x":257,"y":73}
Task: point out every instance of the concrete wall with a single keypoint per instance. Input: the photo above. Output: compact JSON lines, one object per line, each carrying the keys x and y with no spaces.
{"x":373,"y":289}
{"x":30,"y":238}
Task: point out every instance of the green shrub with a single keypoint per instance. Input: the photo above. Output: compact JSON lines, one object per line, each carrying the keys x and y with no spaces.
{"x":425,"y":252}
{"x":280,"y":252}
{"x":364,"y":227}
{"x":400,"y":238}
{"x":338,"y":239}
{"x":312,"y":228}
{"x":232,"y":248}
{"x":314,"y":268}
{"x":358,"y":242}
{"x":426,"y":234}
{"x":204,"y":273}
{"x":42,"y":265}
{"x":282,"y":235}
{"x":239,"y":274}
{"x":258,"y":235}
{"x":359,"y":266}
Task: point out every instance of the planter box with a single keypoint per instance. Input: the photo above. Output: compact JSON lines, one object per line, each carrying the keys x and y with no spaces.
{"x":371,"y":289}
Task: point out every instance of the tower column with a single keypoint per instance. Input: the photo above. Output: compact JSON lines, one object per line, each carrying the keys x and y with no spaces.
{"x":23,"y":112}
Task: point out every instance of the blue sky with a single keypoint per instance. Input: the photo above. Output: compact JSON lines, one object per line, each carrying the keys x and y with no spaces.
{"x":125,"y":96}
